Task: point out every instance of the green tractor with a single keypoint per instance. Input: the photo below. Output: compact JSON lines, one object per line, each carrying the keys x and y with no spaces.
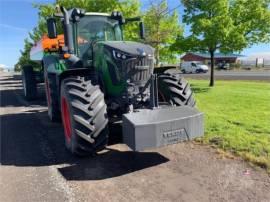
{"x":92,"y":76}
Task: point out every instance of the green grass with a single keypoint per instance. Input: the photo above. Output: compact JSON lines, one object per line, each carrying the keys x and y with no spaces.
{"x":237,"y":117}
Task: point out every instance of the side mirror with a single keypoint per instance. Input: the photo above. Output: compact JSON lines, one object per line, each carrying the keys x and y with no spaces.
{"x":142,"y":31}
{"x":51,"y":26}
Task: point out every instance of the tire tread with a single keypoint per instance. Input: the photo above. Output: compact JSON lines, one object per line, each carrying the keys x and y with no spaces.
{"x":176,"y":90}
{"x":89,"y":114}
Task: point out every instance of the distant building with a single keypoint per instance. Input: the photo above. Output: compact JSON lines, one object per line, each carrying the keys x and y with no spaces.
{"x":205,"y":57}
{"x":259,"y":59}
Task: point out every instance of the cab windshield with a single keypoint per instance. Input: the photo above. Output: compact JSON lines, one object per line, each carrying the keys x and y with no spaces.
{"x":91,"y":29}
{"x":99,"y":28}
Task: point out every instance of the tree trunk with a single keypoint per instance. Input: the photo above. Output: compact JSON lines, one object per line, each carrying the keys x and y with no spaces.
{"x":157,"y":56}
{"x":212,"y":78}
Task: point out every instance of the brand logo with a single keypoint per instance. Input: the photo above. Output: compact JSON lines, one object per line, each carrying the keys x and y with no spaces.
{"x":174,"y":136}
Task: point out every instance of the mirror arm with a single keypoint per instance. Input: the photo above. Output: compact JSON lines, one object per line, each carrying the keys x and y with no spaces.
{"x":67,"y":30}
{"x":133,"y":19}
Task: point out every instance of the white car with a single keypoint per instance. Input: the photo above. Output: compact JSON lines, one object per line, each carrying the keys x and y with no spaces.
{"x":193,"y":67}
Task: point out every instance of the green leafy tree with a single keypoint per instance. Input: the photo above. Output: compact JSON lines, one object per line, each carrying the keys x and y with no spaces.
{"x":129,"y":8}
{"x":25,"y":57}
{"x":34,"y":36}
{"x":162,"y":28}
{"x":224,"y":25}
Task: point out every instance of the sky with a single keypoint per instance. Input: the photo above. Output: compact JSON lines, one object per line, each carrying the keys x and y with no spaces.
{"x":18,"y":18}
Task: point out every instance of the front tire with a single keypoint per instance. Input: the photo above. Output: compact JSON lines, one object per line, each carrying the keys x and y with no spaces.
{"x":175,"y":90}
{"x":84,"y":116}
{"x":29,"y":83}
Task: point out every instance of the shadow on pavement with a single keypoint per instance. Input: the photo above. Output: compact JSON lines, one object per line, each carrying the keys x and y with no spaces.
{"x":14,"y":88}
{"x":25,"y":142}
{"x":28,"y":138}
{"x":110,"y":164}
{"x":7,"y":98}
{"x":11,"y":78}
{"x":11,"y":84}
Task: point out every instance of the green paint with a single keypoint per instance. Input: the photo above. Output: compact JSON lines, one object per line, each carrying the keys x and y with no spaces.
{"x":60,"y":66}
{"x":102,"y":57}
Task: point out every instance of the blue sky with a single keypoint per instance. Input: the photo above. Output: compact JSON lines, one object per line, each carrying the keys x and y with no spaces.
{"x":18,"y":17}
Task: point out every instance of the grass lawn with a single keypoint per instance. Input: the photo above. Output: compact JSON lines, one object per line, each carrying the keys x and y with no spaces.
{"x":237,"y":117}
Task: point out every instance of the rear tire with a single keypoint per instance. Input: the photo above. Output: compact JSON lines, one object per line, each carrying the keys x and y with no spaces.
{"x":52,"y":98}
{"x":84,"y":116}
{"x":29,"y":83}
{"x":175,"y":90}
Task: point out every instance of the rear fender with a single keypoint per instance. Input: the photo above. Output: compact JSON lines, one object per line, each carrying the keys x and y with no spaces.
{"x":52,"y":70}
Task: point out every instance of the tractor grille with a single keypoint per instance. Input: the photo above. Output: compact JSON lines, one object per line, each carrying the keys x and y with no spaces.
{"x":138,"y":70}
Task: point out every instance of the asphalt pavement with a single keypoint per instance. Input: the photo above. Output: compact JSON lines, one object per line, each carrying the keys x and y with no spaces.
{"x":35,"y":166}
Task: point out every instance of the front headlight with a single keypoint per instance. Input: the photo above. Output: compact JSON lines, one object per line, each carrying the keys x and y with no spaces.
{"x":118,"y":55}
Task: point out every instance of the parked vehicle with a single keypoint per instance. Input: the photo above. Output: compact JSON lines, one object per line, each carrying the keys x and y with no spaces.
{"x":223,"y":65}
{"x":92,"y":77}
{"x":193,"y":67}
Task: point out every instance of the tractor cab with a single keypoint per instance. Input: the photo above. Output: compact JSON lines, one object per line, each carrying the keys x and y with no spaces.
{"x":83,"y":30}
{"x":95,"y":40}
{"x":92,"y":28}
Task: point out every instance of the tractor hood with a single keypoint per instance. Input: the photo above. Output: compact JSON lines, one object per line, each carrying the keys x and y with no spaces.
{"x":130,"y":47}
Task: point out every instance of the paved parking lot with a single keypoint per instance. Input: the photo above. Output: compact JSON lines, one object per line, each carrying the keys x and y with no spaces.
{"x":35,"y":166}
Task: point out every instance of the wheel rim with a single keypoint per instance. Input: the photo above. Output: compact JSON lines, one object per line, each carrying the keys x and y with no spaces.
{"x":66,"y":118}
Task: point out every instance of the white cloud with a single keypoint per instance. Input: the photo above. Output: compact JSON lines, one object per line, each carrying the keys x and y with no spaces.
{"x":265,"y":55}
{"x":3,"y":66}
{"x":13,"y":27}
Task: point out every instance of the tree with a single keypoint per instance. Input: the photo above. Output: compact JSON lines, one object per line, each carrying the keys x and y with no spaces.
{"x":25,"y":57}
{"x":162,"y":28}
{"x":129,"y":8}
{"x":224,"y":25}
